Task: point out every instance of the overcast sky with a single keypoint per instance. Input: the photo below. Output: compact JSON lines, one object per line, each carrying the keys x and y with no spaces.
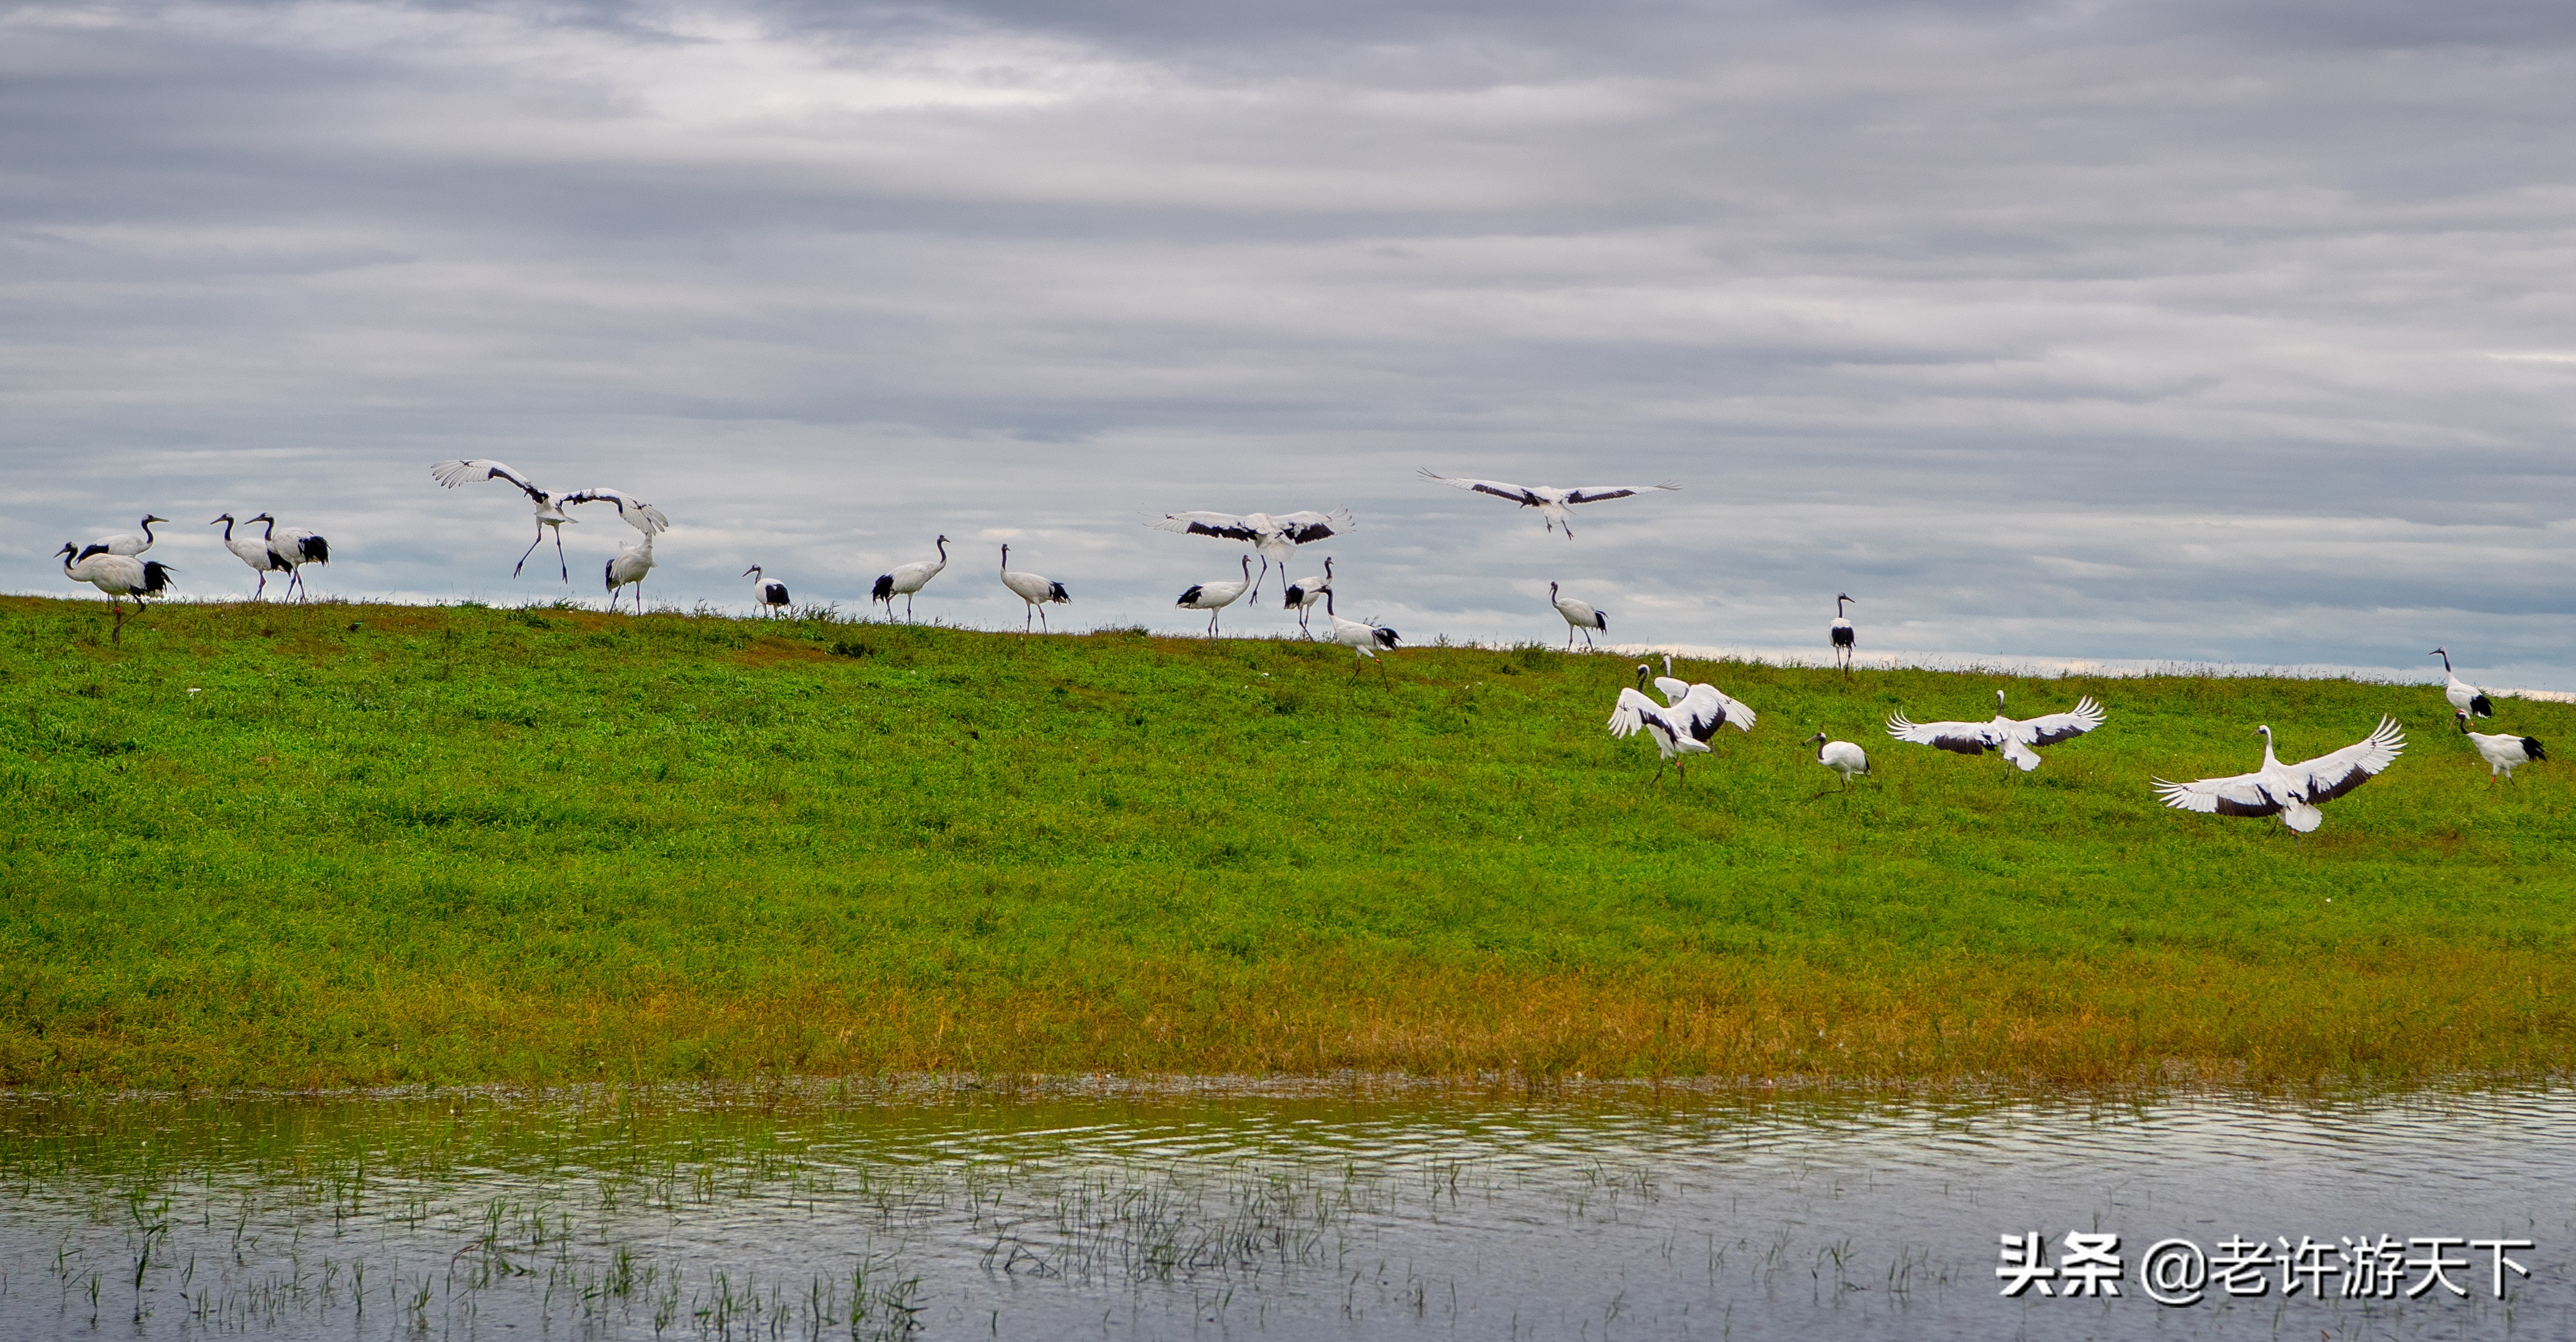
{"x":2232,"y":332}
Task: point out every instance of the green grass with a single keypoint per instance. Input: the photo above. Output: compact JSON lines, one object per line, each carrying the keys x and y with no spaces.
{"x":349,"y":845}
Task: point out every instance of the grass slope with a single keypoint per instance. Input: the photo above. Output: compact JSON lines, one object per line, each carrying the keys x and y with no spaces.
{"x":262,"y":845}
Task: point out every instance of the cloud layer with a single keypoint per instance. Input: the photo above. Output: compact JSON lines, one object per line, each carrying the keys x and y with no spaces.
{"x":2193,"y":332}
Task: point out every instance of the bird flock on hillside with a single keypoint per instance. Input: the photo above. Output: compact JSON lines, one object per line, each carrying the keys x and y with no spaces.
{"x":1682,"y":725}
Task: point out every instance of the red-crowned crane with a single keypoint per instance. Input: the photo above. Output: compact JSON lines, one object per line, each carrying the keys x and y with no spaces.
{"x":1361,"y":637}
{"x":2013,"y":738}
{"x":1552,"y":501}
{"x":1674,"y":734}
{"x":1578,"y":615}
{"x":1305,"y":592}
{"x":1704,"y":706}
{"x":1036,"y":591}
{"x":1214,"y":597}
{"x":129,"y":543}
{"x":1840,"y":756}
{"x":1274,"y":535}
{"x":633,"y":561}
{"x":118,"y":576}
{"x":2503,"y":753}
{"x":2290,"y":791}
{"x":768,"y":595}
{"x":256,"y":553}
{"x":2464,"y":697}
{"x":293,"y":550}
{"x":549,"y":517}
{"x":1840,"y":632}
{"x":907,"y":579}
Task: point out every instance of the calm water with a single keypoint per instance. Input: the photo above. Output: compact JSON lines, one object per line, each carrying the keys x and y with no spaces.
{"x":1225,"y":1213}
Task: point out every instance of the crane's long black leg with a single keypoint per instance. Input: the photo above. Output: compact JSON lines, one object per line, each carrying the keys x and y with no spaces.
{"x":532,"y":549}
{"x":560,"y":562}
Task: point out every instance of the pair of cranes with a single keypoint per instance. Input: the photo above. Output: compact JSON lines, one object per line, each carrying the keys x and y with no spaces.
{"x":633,"y":559}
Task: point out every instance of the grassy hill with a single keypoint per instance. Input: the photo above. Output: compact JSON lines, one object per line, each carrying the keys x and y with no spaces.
{"x":261,"y":845}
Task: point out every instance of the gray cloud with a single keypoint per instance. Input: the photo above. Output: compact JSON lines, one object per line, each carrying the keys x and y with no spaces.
{"x":2201,"y":332}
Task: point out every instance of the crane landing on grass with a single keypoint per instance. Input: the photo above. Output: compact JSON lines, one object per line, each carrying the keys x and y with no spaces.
{"x":2290,"y":791}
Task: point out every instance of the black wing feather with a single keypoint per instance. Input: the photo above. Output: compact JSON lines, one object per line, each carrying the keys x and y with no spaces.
{"x":1230,"y":533}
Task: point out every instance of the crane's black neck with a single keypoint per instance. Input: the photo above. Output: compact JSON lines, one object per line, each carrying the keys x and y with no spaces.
{"x":147,"y":531}
{"x":943,"y":549}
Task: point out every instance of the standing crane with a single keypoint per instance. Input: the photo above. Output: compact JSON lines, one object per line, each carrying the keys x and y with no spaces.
{"x":293,"y":550}
{"x":1036,"y":591}
{"x":118,"y":576}
{"x":2503,"y":753}
{"x":1274,"y":535}
{"x":2012,"y":738}
{"x":1840,"y":756}
{"x":1840,"y":632}
{"x":1305,"y":592}
{"x":1578,"y":615}
{"x":549,"y":516}
{"x":1214,"y":597}
{"x":1552,"y":501}
{"x":128,"y":543}
{"x":256,"y":553}
{"x":2290,"y":791}
{"x":768,"y":595}
{"x":906,"y":580}
{"x":634,"y":560}
{"x":2464,"y":697}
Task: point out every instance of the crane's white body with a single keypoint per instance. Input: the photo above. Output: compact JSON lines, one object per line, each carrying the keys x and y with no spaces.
{"x":130,"y":543}
{"x":1214,"y":597}
{"x":1674,"y":735}
{"x":1273,"y":535}
{"x":2503,"y":753}
{"x":2013,"y":738}
{"x":292,"y":551}
{"x":1036,"y":591}
{"x":550,"y":517}
{"x":1362,"y":638}
{"x":2290,"y":791}
{"x":634,"y":560}
{"x":2463,"y":696}
{"x":117,"y":576}
{"x":1552,"y":501}
{"x":1703,"y":706}
{"x":1841,"y":634}
{"x":1305,"y":592}
{"x":907,"y":579}
{"x":252,"y":551}
{"x":1578,"y":615}
{"x":768,"y":595}
{"x":1840,"y":756}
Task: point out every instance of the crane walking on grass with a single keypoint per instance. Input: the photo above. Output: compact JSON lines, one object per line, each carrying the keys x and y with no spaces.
{"x":907,"y":579}
{"x":118,"y":576}
{"x":1305,"y":592}
{"x":2013,"y":738}
{"x":2290,"y":791}
{"x":634,"y":560}
{"x":1840,"y":756}
{"x":1552,"y":501}
{"x":1578,"y":615}
{"x":1274,"y":535}
{"x":2464,"y":697}
{"x":1214,"y":597}
{"x":1036,"y":591}
{"x":293,"y":551}
{"x":129,"y":543}
{"x":768,"y":595}
{"x":256,"y":553}
{"x":1361,"y":637}
{"x":2504,"y":753}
